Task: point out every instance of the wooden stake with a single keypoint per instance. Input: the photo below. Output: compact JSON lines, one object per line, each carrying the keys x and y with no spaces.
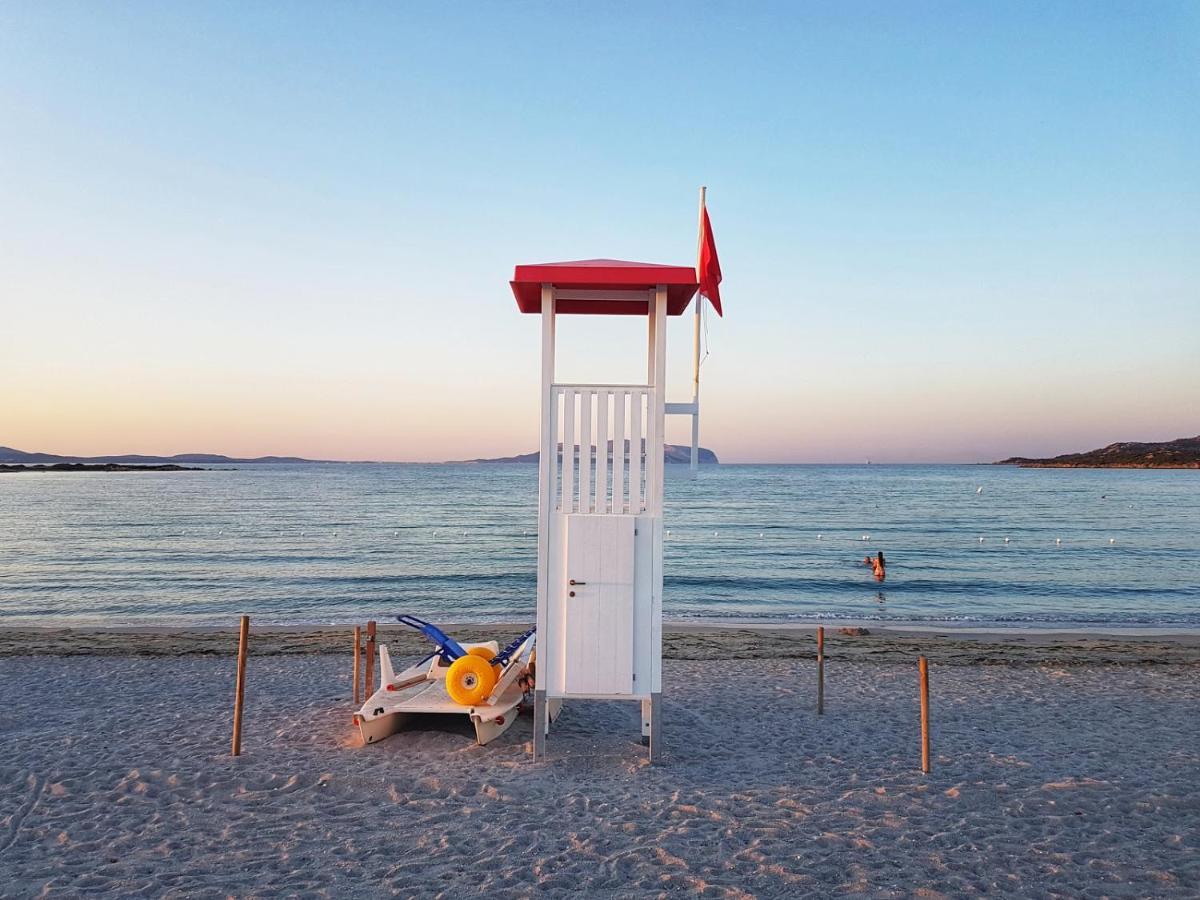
{"x":357,"y":664}
{"x":370,"y":666}
{"x":923,"y":664}
{"x":240,"y":696}
{"x":820,"y":670}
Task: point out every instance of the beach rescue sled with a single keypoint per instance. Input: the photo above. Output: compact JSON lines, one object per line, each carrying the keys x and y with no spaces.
{"x":477,"y":680}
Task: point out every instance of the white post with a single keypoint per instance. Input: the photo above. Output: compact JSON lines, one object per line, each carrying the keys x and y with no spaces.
{"x":546,"y":463}
{"x":653,"y":353}
{"x":695,"y":460}
{"x":656,"y":405}
{"x":651,"y":335}
{"x":660,"y":390}
{"x":654,"y":506}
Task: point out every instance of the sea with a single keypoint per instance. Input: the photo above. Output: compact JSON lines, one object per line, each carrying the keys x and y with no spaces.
{"x":966,"y":546}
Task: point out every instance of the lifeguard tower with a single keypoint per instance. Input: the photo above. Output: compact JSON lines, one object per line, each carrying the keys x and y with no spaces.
{"x":600,"y":507}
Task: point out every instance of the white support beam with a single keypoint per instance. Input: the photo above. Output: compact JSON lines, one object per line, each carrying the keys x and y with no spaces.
{"x":654,"y":467}
{"x":655,"y":507}
{"x":579,"y":294}
{"x":546,"y":464}
{"x":682,"y":409}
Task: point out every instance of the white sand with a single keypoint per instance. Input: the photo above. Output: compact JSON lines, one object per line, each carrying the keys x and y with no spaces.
{"x":1048,"y":782}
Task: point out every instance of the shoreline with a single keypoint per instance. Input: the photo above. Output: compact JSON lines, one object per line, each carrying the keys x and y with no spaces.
{"x":1190,"y":465}
{"x":681,"y":641}
{"x":1166,"y":632}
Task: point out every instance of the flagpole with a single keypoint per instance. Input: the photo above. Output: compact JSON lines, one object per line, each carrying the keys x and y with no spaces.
{"x":695,"y":460}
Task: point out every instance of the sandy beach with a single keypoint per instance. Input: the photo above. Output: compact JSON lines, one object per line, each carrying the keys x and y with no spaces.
{"x":1066,"y":767}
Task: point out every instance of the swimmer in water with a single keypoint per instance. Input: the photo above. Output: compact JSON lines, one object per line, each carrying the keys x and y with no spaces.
{"x":878,"y":566}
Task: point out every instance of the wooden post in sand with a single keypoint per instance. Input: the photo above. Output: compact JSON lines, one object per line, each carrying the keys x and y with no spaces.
{"x":923,"y":665}
{"x":820,"y":670}
{"x":370,"y":666}
{"x":240,"y":696}
{"x":357,"y":663}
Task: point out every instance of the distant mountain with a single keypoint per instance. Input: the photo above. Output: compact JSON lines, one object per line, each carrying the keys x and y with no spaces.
{"x":672,"y":453}
{"x":1181,"y":453}
{"x":9,"y":455}
{"x":95,"y":467}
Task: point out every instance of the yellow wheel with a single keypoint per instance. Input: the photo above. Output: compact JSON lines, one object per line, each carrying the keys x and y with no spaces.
{"x":485,"y":653}
{"x":469,"y":680}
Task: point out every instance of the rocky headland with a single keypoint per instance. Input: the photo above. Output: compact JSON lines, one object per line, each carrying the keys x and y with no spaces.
{"x":1181,"y":453}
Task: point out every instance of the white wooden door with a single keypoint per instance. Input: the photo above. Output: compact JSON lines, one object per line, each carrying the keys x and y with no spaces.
{"x":598,"y":607}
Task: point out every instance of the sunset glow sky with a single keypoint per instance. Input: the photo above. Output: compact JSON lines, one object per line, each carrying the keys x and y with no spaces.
{"x":950,"y":231}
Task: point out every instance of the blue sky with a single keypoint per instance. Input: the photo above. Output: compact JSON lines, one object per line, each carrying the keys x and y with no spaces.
{"x":950,"y":231}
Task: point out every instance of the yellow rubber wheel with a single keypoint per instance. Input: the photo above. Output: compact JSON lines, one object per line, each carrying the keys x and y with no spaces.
{"x":485,"y":653}
{"x":469,"y":680}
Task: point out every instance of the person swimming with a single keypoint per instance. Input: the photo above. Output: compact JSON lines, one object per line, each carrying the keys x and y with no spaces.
{"x":878,"y":566}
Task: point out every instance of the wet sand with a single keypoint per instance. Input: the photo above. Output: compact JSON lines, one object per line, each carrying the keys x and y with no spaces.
{"x":682,"y":641}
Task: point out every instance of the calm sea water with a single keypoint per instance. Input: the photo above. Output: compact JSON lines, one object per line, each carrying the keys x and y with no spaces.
{"x":343,"y":543}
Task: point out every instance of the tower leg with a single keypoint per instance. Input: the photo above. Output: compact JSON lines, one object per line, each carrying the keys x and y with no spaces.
{"x":654,"y":725}
{"x":647,"y":714}
{"x":539,"y":725}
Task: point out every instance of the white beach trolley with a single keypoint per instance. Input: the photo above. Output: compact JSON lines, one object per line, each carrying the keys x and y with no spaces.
{"x":436,"y":686}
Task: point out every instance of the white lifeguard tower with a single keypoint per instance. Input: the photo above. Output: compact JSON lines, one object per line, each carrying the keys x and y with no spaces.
{"x":600,"y":507}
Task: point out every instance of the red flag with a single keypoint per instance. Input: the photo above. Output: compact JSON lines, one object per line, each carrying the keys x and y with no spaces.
{"x":708,"y":270}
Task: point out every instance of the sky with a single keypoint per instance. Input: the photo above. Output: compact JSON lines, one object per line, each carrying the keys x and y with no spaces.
{"x":950,"y":232}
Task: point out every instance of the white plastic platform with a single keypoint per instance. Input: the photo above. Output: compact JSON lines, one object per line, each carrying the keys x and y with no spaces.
{"x":421,"y":689}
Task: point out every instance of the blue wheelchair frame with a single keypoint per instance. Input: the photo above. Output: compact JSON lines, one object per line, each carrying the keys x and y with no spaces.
{"x":450,"y":650}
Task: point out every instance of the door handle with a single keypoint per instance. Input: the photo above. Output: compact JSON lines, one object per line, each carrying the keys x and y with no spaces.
{"x":573,"y":581}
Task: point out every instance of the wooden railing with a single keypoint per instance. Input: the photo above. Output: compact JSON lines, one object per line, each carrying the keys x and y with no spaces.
{"x":601,"y":432}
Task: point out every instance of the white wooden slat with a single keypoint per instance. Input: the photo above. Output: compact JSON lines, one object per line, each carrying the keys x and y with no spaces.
{"x":568,"y":452}
{"x":602,"y":400}
{"x":653,"y":439}
{"x":636,"y":401}
{"x":618,"y":456}
{"x":549,"y":448}
{"x":581,"y":294}
{"x":608,"y":386}
{"x":585,"y":451}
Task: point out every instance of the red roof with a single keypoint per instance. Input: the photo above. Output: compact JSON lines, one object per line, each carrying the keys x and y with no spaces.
{"x":603,"y":275}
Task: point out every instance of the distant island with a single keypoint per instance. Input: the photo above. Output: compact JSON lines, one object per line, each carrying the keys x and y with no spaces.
{"x":95,"y":467}
{"x":672,"y":453}
{"x":1181,"y":453}
{"x":9,"y":455}
{"x":133,"y":462}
